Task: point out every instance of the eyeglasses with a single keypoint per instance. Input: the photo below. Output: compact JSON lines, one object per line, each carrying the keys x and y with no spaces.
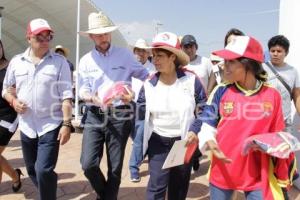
{"x":43,"y":38}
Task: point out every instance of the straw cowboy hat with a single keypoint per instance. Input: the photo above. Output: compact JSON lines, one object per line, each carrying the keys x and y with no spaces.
{"x":64,"y":49}
{"x":141,"y":44}
{"x":170,"y":42}
{"x":98,"y":24}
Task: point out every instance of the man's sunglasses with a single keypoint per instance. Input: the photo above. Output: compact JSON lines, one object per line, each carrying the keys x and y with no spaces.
{"x":42,"y":38}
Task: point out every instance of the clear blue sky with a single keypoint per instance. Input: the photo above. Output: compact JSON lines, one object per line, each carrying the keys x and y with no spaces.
{"x":207,"y":20}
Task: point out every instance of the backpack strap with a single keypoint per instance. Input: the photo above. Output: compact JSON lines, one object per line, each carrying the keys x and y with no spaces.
{"x":280,"y":78}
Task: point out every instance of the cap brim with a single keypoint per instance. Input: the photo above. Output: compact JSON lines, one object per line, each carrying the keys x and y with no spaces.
{"x":147,"y":49}
{"x":142,"y":47}
{"x":215,"y":58}
{"x":36,"y":32}
{"x":226,"y":54}
{"x":98,"y":31}
{"x":183,"y":58}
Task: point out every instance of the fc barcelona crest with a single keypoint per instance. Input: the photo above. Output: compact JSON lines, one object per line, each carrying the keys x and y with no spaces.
{"x":228,"y":107}
{"x":267,"y":108}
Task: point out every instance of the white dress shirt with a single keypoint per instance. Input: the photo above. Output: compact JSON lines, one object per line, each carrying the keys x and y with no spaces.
{"x":42,"y":87}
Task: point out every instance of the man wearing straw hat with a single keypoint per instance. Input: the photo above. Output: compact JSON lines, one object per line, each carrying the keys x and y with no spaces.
{"x":101,"y":68}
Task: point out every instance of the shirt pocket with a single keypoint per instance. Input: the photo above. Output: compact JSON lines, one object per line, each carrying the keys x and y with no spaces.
{"x":21,"y":77}
{"x":48,"y":82}
{"x":49,"y":75}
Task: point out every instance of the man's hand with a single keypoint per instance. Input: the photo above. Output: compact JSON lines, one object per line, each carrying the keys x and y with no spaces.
{"x":96,"y":100}
{"x":12,"y":91}
{"x":191,"y":138}
{"x":64,"y":134}
{"x":19,"y":106}
{"x":127,"y":98}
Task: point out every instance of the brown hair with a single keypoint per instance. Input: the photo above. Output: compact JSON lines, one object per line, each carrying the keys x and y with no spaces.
{"x":233,"y":31}
{"x":169,"y":53}
{"x":255,"y":67}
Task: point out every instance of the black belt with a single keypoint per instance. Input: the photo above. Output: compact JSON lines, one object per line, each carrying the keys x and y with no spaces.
{"x":164,"y":139}
{"x":98,"y":110}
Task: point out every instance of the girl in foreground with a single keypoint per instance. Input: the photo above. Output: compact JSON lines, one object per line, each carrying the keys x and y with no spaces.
{"x":243,"y":107}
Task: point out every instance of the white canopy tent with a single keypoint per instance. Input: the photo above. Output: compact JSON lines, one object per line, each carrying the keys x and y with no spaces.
{"x":62,"y":17}
{"x":289,"y":16}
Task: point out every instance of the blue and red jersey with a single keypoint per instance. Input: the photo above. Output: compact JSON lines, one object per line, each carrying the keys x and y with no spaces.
{"x":237,"y":114}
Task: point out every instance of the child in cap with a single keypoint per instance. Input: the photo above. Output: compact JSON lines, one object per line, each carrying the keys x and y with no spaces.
{"x":242,"y":107}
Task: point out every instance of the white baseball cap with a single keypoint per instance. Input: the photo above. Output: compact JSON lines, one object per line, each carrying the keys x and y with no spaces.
{"x":170,"y":42}
{"x":38,"y":25}
{"x":242,"y":46}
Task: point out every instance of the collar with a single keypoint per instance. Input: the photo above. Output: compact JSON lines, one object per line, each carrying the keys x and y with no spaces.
{"x":107,"y":53}
{"x":146,"y":63}
{"x":258,"y":86}
{"x":195,"y":58}
{"x":276,"y":66}
{"x":25,"y":55}
{"x":154,"y":79}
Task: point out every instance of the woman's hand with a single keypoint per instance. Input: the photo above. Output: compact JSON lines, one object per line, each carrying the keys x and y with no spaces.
{"x":217,"y":151}
{"x":191,"y":138}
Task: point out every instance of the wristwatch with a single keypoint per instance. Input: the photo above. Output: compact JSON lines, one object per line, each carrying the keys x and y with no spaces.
{"x":68,"y":123}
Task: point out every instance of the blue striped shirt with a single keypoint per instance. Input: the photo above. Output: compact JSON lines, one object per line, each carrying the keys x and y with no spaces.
{"x":98,"y":72}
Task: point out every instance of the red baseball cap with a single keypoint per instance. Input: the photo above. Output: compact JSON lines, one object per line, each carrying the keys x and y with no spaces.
{"x":36,"y":26}
{"x":242,"y":46}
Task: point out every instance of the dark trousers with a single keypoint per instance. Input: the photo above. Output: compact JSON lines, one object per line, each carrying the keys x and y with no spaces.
{"x":176,"y":179}
{"x":40,"y":156}
{"x":112,"y":129}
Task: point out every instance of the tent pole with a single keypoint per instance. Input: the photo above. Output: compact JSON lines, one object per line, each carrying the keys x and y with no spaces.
{"x":77,"y":63}
{"x":1,"y":8}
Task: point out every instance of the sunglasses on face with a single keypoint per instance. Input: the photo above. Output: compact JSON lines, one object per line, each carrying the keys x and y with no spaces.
{"x":43,"y":38}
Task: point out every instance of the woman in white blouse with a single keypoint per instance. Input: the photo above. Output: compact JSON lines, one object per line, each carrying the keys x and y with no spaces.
{"x":171,"y":96}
